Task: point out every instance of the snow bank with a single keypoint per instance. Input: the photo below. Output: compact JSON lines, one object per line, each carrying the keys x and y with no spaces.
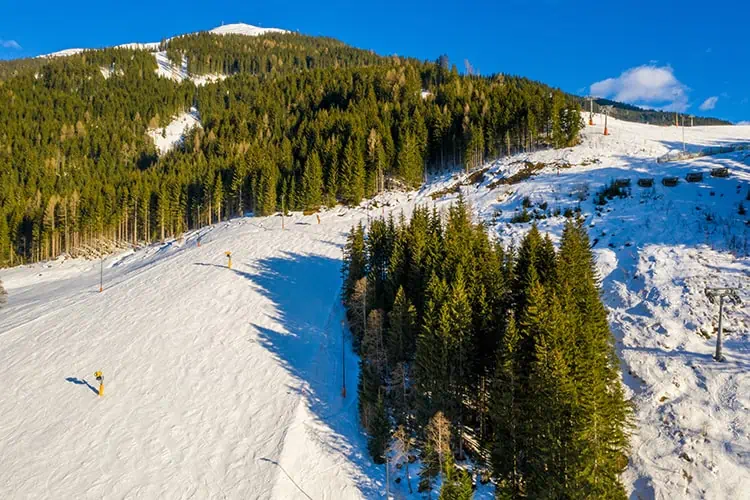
{"x":244,"y":29}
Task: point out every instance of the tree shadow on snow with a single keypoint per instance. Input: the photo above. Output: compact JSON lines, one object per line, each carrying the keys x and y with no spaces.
{"x":311,"y":342}
{"x":77,"y":381}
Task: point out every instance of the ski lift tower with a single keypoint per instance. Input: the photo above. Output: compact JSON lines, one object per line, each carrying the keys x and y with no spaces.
{"x":606,"y":110}
{"x":734,"y":297}
{"x":591,"y":110}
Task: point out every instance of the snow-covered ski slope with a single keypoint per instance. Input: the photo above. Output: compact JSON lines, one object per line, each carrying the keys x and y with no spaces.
{"x":226,"y":383}
{"x":218,"y":382}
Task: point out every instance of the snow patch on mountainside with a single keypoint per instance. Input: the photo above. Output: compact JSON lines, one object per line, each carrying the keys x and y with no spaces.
{"x":227,"y":29}
{"x":166,"y":138}
{"x":150,"y":46}
{"x":166,"y":69}
{"x":244,"y":29}
{"x":64,"y":53}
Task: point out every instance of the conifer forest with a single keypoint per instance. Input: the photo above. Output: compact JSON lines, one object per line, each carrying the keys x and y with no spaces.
{"x":303,"y":122}
{"x":507,"y":350}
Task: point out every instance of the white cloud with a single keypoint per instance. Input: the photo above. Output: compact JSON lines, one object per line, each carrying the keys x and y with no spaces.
{"x":9,"y":44}
{"x":709,"y":103}
{"x":745,"y":122}
{"x":647,"y":85}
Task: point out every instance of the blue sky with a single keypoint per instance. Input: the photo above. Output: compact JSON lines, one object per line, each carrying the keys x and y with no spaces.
{"x":686,"y":55}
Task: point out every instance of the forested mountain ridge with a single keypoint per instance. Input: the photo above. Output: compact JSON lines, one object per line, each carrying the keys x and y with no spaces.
{"x":304,"y":121}
{"x":632,"y":113}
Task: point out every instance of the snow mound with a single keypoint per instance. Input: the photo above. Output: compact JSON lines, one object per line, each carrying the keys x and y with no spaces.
{"x":166,"y":138}
{"x":63,"y":53}
{"x":244,"y":29}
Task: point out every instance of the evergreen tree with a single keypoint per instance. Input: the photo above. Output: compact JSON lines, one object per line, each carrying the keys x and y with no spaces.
{"x":312,"y":182}
{"x":355,"y":260}
{"x":549,"y":412}
{"x":507,"y":414}
{"x":602,"y":415}
{"x":377,"y":443}
{"x":402,"y":334}
{"x":457,"y":483}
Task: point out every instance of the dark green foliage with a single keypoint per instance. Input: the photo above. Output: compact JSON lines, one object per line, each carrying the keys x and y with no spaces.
{"x":403,"y":325}
{"x":521,"y":217}
{"x":506,"y":414}
{"x":611,"y":191}
{"x":380,"y":433}
{"x":312,"y":183}
{"x":456,"y":484}
{"x":512,"y":346}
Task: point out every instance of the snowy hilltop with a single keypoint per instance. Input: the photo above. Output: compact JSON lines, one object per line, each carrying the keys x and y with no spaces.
{"x":228,"y":382}
{"x":224,"y":29}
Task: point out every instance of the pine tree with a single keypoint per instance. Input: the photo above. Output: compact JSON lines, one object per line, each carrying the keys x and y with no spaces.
{"x":218,"y":196}
{"x":457,"y":483}
{"x":460,"y":340}
{"x":312,"y":182}
{"x":380,"y":431}
{"x":507,"y":414}
{"x":602,"y":415}
{"x":402,"y":334}
{"x":551,"y":396}
{"x":355,"y":260}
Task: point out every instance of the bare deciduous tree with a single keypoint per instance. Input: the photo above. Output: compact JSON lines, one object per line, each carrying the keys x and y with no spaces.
{"x":400,"y":449}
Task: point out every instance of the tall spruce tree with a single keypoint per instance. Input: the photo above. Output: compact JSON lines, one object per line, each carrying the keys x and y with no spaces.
{"x":507,"y":414}
{"x":312,"y":182}
{"x":402,"y":332}
{"x":380,"y":432}
{"x":602,"y":415}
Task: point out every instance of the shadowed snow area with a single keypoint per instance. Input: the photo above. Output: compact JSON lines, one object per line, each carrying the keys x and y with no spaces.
{"x":226,"y":383}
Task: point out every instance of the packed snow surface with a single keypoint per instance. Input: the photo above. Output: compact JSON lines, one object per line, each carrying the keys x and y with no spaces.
{"x":226,"y":383}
